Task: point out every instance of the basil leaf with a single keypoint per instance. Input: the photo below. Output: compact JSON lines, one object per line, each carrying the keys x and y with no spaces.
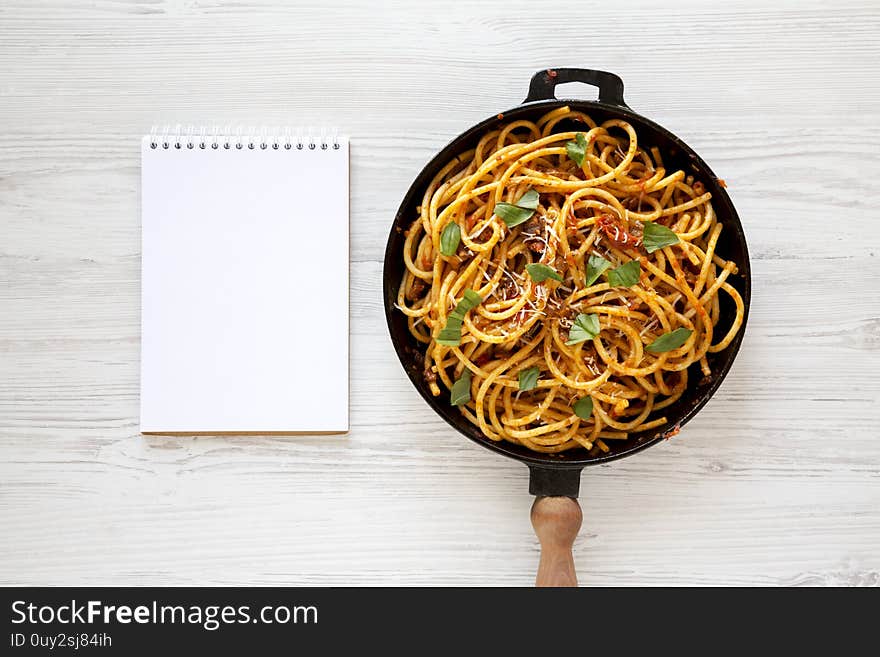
{"x":595,"y":266}
{"x":450,"y":335}
{"x":470,"y":301}
{"x":583,"y":407}
{"x":669,"y":341}
{"x":577,"y":149}
{"x":461,"y":389}
{"x":528,"y":379}
{"x":512,"y":215}
{"x":450,"y":238}
{"x":529,"y":200}
{"x":519,"y":212}
{"x":626,"y":275}
{"x":655,"y":237}
{"x":585,"y":327}
{"x":539,"y":272}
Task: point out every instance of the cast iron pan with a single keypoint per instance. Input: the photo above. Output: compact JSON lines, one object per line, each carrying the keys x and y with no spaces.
{"x":555,"y":478}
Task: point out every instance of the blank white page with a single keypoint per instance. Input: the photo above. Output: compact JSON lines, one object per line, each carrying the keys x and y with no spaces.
{"x":244,"y":325}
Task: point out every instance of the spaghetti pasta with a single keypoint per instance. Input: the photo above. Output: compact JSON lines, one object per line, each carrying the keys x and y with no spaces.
{"x":562,"y":282}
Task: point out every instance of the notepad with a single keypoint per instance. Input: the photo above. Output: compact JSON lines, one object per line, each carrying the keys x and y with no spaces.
{"x":245,"y":245}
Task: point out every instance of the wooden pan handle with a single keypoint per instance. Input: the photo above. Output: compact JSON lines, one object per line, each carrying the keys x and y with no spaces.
{"x":557,"y":521}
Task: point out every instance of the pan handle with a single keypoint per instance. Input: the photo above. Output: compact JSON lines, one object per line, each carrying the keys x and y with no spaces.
{"x":544,"y":83}
{"x":556,"y":518}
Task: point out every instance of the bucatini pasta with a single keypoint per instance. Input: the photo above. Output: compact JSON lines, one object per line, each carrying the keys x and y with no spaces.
{"x":561,"y":283}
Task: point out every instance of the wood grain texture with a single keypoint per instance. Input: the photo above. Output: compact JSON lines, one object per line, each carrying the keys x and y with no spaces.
{"x":776,"y":482}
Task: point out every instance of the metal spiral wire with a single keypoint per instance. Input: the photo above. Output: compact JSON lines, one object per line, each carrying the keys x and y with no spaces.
{"x":228,"y":137}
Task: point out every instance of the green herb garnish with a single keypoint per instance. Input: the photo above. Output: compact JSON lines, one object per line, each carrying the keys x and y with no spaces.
{"x":528,"y":379}
{"x":595,"y":266}
{"x":585,"y":327}
{"x":583,"y":407}
{"x":577,"y":149}
{"x":529,"y":200}
{"x":626,"y":275}
{"x":669,"y":341}
{"x":461,"y":389}
{"x":656,"y":236}
{"x":450,"y":335}
{"x":450,"y":238}
{"x":539,"y":272}
{"x":519,"y":212}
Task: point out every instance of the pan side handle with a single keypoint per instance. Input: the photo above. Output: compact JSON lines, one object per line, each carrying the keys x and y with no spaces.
{"x":556,"y":518}
{"x":543,"y":84}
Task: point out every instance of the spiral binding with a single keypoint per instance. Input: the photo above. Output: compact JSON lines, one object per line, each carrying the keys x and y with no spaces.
{"x":239,"y":138}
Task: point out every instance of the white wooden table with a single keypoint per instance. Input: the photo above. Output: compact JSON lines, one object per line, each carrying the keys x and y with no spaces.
{"x":776,"y":482}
